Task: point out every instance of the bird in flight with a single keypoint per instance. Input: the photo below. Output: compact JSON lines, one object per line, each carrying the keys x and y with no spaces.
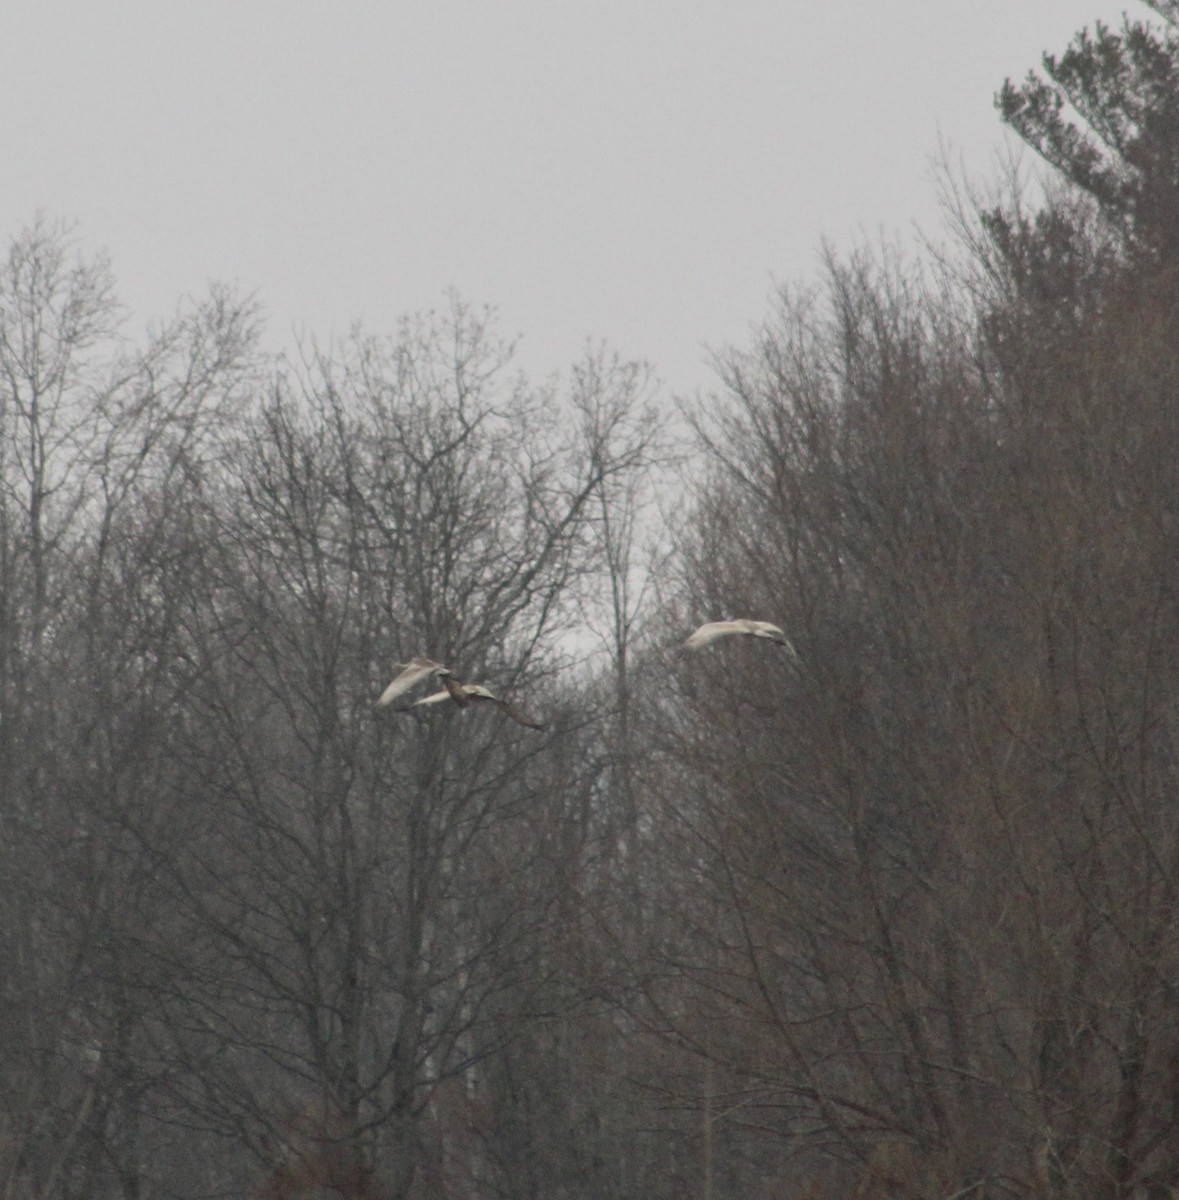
{"x":412,"y":673}
{"x":712,"y":631}
{"x":466,"y":694}
{"x":419,"y":669}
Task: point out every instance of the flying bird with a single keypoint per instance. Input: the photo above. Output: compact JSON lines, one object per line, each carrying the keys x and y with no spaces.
{"x":711,"y":631}
{"x":466,"y":694}
{"x":412,"y":673}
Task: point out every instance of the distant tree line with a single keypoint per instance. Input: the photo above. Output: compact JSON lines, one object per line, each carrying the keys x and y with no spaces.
{"x":897,"y":916}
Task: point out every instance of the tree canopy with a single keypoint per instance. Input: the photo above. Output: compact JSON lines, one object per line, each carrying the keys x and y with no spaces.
{"x":892,"y":914}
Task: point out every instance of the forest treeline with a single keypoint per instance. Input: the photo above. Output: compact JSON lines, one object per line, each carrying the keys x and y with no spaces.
{"x":897,"y":916}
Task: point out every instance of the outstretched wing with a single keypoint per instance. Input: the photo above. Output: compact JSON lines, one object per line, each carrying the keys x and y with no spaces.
{"x":512,"y":711}
{"x":432,"y":698}
{"x":707,"y":633}
{"x":416,"y":670}
{"x":465,"y":694}
{"x":477,"y":692}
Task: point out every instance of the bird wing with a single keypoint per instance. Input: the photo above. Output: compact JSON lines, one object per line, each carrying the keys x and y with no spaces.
{"x":415,"y":671}
{"x":466,"y":694}
{"x":476,"y":692}
{"x":512,"y":711}
{"x":707,"y":633}
{"x":432,"y":698}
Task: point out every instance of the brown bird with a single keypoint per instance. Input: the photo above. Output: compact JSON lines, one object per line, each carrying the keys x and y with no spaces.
{"x":713,"y":630}
{"x":466,"y":694}
{"x":416,"y":671}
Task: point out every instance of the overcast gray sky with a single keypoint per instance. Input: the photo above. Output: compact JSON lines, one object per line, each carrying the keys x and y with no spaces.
{"x":634,"y":170}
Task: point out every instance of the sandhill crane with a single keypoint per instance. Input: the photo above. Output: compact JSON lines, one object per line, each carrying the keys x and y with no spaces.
{"x":412,"y":673}
{"x":711,"y":631}
{"x":466,"y":694}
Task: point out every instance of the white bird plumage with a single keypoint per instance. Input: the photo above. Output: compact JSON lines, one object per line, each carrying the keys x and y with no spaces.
{"x":712,"y":631}
{"x":466,"y":694}
{"x":421,"y":668}
{"x":412,"y":673}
